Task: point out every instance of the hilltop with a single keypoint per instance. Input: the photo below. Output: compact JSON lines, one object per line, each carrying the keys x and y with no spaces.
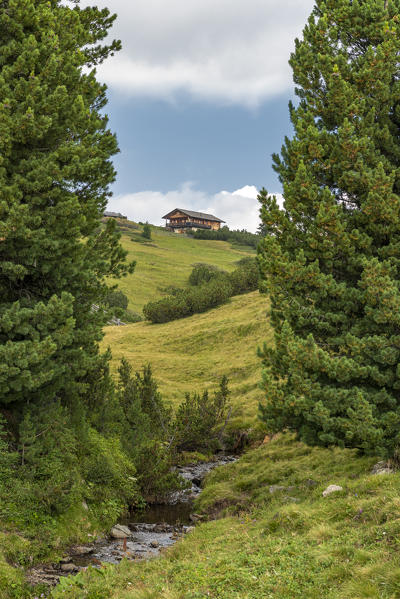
{"x":167,"y":259}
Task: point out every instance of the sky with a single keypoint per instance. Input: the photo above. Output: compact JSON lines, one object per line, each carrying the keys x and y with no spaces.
{"x":198,"y":98}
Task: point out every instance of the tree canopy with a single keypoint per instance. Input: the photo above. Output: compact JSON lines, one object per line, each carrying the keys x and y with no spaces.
{"x":55,"y":172}
{"x":331,"y":257}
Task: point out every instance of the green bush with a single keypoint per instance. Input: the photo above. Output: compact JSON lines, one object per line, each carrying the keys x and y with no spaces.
{"x":116,"y":299}
{"x":166,"y":309}
{"x":211,"y":287}
{"x":108,"y":471}
{"x":189,"y":301}
{"x":242,"y":237}
{"x":245,"y":277}
{"x":147,"y":430}
{"x":146,"y":233}
{"x":131,"y":316}
{"x":200,"y":419}
{"x":202,"y":273}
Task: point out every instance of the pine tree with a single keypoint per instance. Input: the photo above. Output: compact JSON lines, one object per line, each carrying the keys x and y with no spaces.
{"x":331,"y":257}
{"x":55,"y":172}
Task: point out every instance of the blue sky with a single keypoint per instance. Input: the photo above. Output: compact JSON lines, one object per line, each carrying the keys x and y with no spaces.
{"x":215,"y":147}
{"x":198,"y":98}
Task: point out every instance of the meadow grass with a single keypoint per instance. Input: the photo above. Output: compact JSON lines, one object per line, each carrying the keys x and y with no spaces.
{"x":292,"y":543}
{"x":168,"y":259}
{"x":192,"y":354}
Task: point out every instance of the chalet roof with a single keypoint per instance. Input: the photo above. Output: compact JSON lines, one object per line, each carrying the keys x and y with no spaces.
{"x":194,"y":214}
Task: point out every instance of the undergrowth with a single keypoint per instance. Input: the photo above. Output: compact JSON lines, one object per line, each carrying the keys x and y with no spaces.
{"x":269,"y":542}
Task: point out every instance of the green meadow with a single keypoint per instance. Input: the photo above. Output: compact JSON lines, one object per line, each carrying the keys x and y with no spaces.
{"x":167,"y":259}
{"x":192,"y":354}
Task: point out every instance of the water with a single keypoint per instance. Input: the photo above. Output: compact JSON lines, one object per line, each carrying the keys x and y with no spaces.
{"x":155,"y":528}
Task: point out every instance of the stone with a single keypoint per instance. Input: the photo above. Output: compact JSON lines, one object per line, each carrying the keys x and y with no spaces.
{"x":188,"y":529}
{"x":154,"y":544}
{"x":68,"y":567}
{"x":85,"y":505}
{"x":81,"y":550}
{"x":311,"y":483}
{"x":332,"y":489}
{"x":382,"y":468}
{"x":276,"y":488}
{"x":292,"y":499}
{"x":196,"y":517}
{"x":119,"y":531}
{"x":384,"y":471}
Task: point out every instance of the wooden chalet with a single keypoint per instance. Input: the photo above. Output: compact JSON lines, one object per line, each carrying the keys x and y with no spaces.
{"x":180,"y":221}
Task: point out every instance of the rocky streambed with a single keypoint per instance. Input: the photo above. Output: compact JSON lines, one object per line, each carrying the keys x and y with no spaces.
{"x":142,"y":535}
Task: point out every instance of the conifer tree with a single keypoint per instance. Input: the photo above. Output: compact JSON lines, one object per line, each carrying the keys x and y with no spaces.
{"x":331,"y":257}
{"x":55,"y":172}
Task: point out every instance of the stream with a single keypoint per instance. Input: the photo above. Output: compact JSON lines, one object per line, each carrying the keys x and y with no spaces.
{"x":147,"y":532}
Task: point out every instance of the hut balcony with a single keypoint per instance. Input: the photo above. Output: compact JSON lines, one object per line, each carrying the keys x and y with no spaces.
{"x":187,"y":225}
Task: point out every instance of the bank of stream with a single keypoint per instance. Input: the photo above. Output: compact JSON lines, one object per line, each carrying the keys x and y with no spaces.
{"x":142,"y":535}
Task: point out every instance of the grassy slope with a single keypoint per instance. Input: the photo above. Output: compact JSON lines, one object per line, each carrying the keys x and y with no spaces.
{"x":193,"y":353}
{"x":292,"y":544}
{"x":167,"y":260}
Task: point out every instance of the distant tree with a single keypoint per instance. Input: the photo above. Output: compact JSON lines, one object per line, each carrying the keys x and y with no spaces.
{"x":331,"y":259}
{"x":146,"y":231}
{"x":55,"y":172}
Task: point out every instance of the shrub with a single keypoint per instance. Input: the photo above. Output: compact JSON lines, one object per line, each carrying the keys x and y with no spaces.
{"x":146,"y":233}
{"x":189,"y":301}
{"x":166,"y":309}
{"x":202,"y":273}
{"x":200,"y":420}
{"x":147,"y":428}
{"x":245,"y":277}
{"x":115,"y":298}
{"x":225,"y":234}
{"x":108,"y":471}
{"x":131,"y":316}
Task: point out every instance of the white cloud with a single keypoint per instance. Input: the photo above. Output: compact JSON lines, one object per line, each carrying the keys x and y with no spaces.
{"x":231,"y":52}
{"x":240,"y":208}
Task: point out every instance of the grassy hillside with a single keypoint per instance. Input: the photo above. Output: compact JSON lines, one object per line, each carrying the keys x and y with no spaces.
{"x":167,"y":260}
{"x":194,"y":353}
{"x":291,"y":543}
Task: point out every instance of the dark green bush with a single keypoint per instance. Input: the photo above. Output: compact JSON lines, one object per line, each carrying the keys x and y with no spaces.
{"x":117,"y":303}
{"x":166,"y":309}
{"x":130,"y":316}
{"x":116,"y":299}
{"x":245,"y":277}
{"x":146,"y":233}
{"x":242,"y":237}
{"x":211,"y":287}
{"x":189,"y":301}
{"x":202,"y":273}
{"x":200,"y":420}
{"x":147,"y":430}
